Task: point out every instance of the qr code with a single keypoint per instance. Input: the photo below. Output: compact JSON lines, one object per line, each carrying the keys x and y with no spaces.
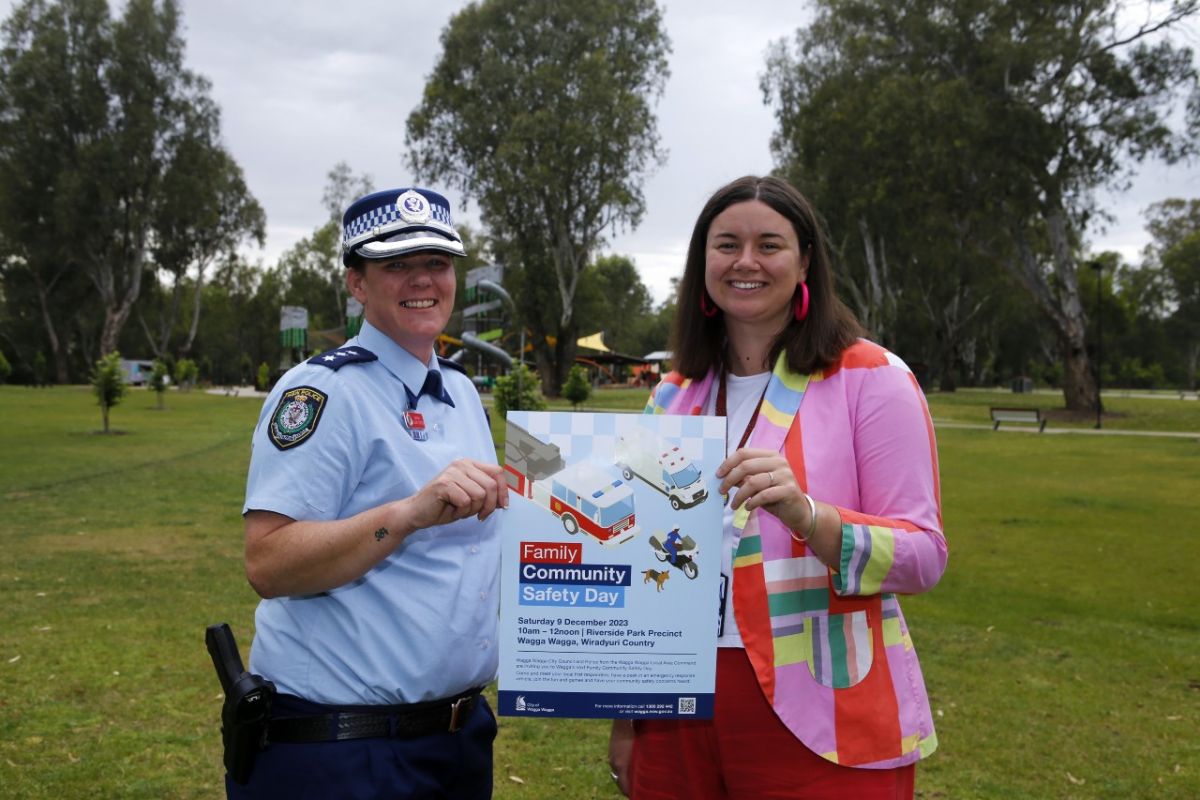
{"x":687,"y":705}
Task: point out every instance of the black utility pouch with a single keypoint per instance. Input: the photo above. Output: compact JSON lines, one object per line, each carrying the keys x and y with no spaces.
{"x":247,"y":706}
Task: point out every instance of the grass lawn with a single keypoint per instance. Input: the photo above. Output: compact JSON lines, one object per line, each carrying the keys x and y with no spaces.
{"x":1061,"y":649}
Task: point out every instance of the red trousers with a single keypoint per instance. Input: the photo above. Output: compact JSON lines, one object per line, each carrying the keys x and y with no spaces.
{"x":745,"y":753}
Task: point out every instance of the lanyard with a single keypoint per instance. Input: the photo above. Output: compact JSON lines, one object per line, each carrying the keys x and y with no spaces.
{"x":721,"y":410}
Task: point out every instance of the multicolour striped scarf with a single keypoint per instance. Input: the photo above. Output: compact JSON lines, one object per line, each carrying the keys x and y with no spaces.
{"x":777,"y":582}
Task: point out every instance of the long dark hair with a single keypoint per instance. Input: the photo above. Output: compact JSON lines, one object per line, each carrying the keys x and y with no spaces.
{"x":698,"y":342}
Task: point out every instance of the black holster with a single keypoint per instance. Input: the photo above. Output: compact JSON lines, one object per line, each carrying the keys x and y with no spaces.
{"x":247,"y":704}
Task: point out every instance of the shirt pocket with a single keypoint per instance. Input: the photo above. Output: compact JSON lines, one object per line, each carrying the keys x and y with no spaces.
{"x":842,"y":649}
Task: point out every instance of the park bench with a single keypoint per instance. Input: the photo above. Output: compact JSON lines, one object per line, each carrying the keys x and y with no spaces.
{"x":1030,"y":416}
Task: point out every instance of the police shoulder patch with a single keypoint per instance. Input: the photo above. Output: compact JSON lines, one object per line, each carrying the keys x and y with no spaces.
{"x":296,"y":416}
{"x":341,"y":356}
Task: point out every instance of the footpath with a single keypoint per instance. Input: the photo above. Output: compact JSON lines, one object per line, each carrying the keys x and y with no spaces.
{"x":1049,"y":431}
{"x":236,"y":391}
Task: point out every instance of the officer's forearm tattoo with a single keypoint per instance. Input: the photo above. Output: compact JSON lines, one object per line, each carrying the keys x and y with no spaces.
{"x":380,"y":534}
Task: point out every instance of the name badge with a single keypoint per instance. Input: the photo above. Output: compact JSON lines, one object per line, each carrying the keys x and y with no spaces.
{"x":414,"y":423}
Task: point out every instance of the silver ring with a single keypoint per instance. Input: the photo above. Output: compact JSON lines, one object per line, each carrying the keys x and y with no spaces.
{"x":771,"y":475}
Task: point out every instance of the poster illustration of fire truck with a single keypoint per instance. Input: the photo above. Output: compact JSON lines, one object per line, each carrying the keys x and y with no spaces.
{"x":611,"y":565}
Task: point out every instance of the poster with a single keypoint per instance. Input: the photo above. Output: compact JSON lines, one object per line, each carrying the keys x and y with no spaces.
{"x":611,"y":565}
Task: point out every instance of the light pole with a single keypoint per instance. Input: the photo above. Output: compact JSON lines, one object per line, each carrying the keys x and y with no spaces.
{"x":1099,"y":267}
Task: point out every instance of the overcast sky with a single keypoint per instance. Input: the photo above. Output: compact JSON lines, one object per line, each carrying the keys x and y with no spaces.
{"x":303,"y":84}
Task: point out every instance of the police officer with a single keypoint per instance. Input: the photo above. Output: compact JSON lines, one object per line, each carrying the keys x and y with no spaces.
{"x":371,"y":538}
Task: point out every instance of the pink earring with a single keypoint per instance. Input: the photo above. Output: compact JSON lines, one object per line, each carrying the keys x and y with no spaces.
{"x":800,"y":304}
{"x":707,"y":306}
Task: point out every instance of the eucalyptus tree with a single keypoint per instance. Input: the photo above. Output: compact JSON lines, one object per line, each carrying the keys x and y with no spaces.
{"x":342,"y":187}
{"x":53,"y":106}
{"x":541,"y":110}
{"x":1174,"y":253}
{"x":204,"y":215}
{"x":95,"y":113}
{"x":613,"y":299}
{"x":984,"y":128}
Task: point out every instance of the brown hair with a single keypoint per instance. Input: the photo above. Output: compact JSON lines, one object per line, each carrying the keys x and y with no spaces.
{"x":698,"y":342}
{"x":355,"y":262}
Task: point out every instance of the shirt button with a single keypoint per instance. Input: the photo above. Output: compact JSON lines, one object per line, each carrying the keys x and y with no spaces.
{"x":483,"y":645}
{"x":474,"y":549}
{"x":483,"y":595}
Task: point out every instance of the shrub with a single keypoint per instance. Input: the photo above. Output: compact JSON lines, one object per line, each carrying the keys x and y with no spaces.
{"x":577,"y":389}
{"x":5,"y":368}
{"x":185,"y":373}
{"x":108,"y":384}
{"x":264,"y":377}
{"x":158,"y":381}
{"x":519,"y":390}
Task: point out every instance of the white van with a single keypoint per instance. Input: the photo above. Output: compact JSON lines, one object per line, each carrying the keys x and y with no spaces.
{"x":663,"y":466}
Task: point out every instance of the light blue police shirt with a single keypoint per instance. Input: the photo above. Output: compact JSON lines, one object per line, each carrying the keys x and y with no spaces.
{"x":421,"y":624}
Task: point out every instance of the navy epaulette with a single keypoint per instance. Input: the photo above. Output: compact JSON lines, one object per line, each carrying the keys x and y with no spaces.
{"x":454,"y":365}
{"x":339,"y":357}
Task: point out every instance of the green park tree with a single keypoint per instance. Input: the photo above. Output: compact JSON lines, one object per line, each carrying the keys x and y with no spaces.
{"x":108,"y":384}
{"x":158,"y":382}
{"x":577,"y":389}
{"x":613,"y":299}
{"x":204,"y":214}
{"x":541,"y":110}
{"x":186,"y":372}
{"x":262,"y":380}
{"x":342,"y":187}
{"x":986,"y":129}
{"x":518,"y":391}
{"x":1174,"y":253}
{"x":5,"y":368}
{"x":100,"y":123}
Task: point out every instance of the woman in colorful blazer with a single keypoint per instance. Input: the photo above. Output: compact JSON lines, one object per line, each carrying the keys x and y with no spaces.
{"x":833,"y":510}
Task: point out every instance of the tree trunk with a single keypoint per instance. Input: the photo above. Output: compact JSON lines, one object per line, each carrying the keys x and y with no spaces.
{"x":118,"y":300}
{"x":1193,"y":359}
{"x":545,"y":367}
{"x":876,"y":299}
{"x":564,"y":357}
{"x":195,"y":326}
{"x":57,"y":351}
{"x":1059,"y":302}
{"x":948,"y":380}
{"x":1079,"y":382}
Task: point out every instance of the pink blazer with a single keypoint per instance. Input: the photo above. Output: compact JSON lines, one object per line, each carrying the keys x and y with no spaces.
{"x":830,"y":646}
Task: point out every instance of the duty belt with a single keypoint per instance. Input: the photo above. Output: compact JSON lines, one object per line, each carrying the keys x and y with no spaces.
{"x":401,"y":722}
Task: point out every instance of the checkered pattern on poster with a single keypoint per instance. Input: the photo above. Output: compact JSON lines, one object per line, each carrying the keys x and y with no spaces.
{"x":593,"y":437}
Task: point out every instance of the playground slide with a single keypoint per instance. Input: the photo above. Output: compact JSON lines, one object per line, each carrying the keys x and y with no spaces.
{"x":469,"y":340}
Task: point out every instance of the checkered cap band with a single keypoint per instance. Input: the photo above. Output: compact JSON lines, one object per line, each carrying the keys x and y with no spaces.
{"x":380,"y":217}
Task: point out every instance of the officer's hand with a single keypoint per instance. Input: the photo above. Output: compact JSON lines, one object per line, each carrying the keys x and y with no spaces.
{"x":464,"y":488}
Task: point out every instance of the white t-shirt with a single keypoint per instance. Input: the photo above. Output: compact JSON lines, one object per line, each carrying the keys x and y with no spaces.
{"x":741,"y":398}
